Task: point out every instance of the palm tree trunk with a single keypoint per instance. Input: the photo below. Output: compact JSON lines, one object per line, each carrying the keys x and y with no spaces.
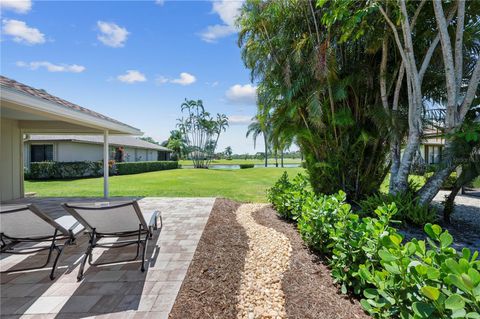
{"x":266,"y":149}
{"x":281,"y":158}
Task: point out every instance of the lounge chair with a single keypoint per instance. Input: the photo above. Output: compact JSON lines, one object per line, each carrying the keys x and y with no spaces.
{"x":28,"y":224}
{"x":107,"y":220}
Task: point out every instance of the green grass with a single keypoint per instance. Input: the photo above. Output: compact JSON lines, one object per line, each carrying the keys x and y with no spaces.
{"x":476,"y":182}
{"x":248,"y":161}
{"x":242,"y":185}
{"x":417,"y":179}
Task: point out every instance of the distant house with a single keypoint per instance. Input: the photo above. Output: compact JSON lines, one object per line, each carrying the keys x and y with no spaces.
{"x":77,"y":148}
{"x":433,"y":141}
{"x":432,"y":145}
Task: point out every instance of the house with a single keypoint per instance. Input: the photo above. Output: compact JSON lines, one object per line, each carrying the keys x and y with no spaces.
{"x":27,"y":110}
{"x":431,"y":147}
{"x":76,"y":148}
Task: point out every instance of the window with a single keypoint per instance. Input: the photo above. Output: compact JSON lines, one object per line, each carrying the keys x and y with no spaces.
{"x":433,"y":154}
{"x":41,"y":153}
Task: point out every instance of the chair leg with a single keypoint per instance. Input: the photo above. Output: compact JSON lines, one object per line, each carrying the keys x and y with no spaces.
{"x":54,"y":267}
{"x":144,"y":243}
{"x":88,"y":255}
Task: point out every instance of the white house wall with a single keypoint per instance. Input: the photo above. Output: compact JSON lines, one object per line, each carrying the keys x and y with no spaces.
{"x":78,"y":152}
{"x":11,"y":171}
{"x":65,"y":151}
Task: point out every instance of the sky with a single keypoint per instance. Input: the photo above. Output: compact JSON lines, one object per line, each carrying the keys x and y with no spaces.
{"x":134,"y":61}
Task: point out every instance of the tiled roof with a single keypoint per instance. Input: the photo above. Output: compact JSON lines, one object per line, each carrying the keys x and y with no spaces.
{"x":42,"y":94}
{"x":116,"y":140}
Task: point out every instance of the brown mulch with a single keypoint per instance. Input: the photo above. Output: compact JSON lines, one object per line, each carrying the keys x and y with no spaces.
{"x":212,"y":283}
{"x":307,"y":284}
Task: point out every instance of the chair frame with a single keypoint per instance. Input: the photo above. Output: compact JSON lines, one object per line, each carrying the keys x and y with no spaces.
{"x":143,"y":233}
{"x":65,"y":235}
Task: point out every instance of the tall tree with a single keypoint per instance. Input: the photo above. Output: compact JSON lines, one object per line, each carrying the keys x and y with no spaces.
{"x":200,"y":131}
{"x":260,"y":125}
{"x":320,"y":90}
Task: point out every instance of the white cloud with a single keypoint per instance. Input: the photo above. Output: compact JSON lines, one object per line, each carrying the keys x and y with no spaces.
{"x":242,"y":94}
{"x":228,"y":11}
{"x":239,"y":119}
{"x":22,"y":33}
{"x":214,"y":32}
{"x":160,"y":2}
{"x":132,"y":76}
{"x":112,"y":34}
{"x":161,"y":80}
{"x":19,"y":6}
{"x":50,"y":67}
{"x":184,"y":79}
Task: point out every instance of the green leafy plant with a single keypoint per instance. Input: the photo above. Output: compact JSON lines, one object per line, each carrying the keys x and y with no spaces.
{"x":423,"y":279}
{"x":367,"y":256}
{"x":245,"y":166}
{"x":408,"y":207}
{"x":288,"y":196}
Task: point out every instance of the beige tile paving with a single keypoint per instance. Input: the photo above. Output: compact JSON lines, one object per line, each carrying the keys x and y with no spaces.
{"x":113,"y":291}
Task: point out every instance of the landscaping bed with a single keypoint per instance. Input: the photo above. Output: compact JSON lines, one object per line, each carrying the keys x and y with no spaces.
{"x":213,"y":284}
{"x":307,"y":284}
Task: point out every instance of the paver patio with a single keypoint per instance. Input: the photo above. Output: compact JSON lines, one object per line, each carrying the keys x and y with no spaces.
{"x":111,"y":291}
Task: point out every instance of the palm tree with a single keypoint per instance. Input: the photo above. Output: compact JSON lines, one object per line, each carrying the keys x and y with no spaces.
{"x":259,"y":126}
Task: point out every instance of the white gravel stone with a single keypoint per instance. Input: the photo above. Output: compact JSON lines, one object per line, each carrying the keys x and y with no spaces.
{"x":268,"y":258}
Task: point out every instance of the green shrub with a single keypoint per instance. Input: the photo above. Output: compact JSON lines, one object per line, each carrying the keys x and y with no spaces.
{"x":64,"y":170}
{"x":126,"y":168}
{"x":408,"y":207}
{"x":288,"y":197}
{"x":421,"y":279}
{"x":245,"y":166}
{"x":416,"y":279}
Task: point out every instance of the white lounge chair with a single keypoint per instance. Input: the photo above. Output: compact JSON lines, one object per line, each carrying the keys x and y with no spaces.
{"x":104,"y":220}
{"x":28,"y":224}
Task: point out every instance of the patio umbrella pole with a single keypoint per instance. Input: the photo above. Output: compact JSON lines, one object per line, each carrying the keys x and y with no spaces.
{"x":105,"y":163}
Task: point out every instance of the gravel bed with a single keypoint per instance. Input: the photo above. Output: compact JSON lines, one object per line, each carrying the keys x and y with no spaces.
{"x":307,"y":284}
{"x":268,"y":257}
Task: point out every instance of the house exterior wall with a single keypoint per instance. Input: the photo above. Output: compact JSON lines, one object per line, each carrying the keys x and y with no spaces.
{"x":64,"y":151}
{"x":11,"y":170}
{"x":78,"y":152}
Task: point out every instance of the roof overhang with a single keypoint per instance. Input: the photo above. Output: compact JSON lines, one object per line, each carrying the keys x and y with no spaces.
{"x":40,"y":116}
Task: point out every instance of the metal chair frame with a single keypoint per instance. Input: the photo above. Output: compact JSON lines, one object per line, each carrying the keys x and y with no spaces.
{"x":58,"y":235}
{"x":95,"y":236}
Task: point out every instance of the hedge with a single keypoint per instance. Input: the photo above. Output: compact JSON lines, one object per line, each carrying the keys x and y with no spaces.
{"x":70,"y":170}
{"x":64,"y":170}
{"x":395,"y":278}
{"x":244,"y":166}
{"x":126,"y":168}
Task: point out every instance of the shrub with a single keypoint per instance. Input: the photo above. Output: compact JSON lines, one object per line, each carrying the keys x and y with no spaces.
{"x":408,"y":207}
{"x":245,"y":166}
{"x":288,"y":197}
{"x":416,"y":279}
{"x":126,"y":168}
{"x":421,"y":279}
{"x":64,"y":170}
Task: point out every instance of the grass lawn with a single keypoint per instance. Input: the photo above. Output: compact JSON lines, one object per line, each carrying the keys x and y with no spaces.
{"x":271,"y":161}
{"x":242,"y":185}
{"x":417,"y":179}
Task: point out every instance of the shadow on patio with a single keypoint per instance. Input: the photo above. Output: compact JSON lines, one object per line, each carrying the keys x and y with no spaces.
{"x":113,"y":290}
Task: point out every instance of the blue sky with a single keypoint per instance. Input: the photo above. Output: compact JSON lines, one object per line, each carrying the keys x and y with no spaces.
{"x":133,"y":61}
